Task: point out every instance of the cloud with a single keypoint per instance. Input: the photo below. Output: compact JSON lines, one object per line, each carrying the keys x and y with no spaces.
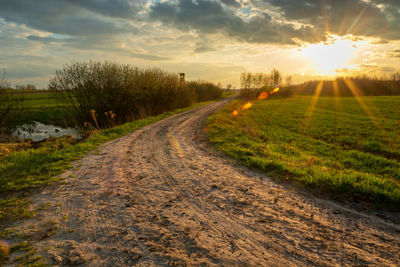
{"x":367,"y":68}
{"x":357,"y":17}
{"x":254,"y":21}
{"x":208,"y":17}
{"x":232,"y":3}
{"x":111,"y":8}
{"x":282,"y":21}
{"x":62,"y":17}
{"x":388,"y":69}
{"x":148,"y":57}
{"x":394,"y":53}
{"x":176,"y":32}
{"x":45,"y":40}
{"x":204,"y":48}
{"x":96,"y":44}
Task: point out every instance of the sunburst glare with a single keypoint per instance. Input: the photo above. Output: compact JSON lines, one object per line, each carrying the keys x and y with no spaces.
{"x":329,"y":56}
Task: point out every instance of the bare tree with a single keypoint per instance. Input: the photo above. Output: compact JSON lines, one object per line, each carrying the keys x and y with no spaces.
{"x":246,"y":80}
{"x":275,"y":78}
{"x":289,"y":80}
{"x":3,"y":82}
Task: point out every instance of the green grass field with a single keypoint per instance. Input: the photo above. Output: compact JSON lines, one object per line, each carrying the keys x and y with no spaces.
{"x":345,"y":146}
{"x":45,"y":107}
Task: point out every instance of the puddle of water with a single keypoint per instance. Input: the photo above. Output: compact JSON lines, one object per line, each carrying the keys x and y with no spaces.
{"x":38,"y":132}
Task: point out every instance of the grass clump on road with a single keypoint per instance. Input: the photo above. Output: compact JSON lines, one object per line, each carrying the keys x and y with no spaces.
{"x":336,"y":145}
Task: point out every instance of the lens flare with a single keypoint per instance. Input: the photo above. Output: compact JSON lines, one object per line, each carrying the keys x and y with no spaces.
{"x":235,"y":113}
{"x":176,"y":144}
{"x":263,"y":95}
{"x":274,"y":91}
{"x":247,"y":105}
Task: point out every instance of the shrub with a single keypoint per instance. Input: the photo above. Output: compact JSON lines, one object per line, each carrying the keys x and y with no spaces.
{"x":129,"y":92}
{"x":205,"y":91}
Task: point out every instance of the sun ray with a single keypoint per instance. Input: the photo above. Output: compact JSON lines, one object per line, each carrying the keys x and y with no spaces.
{"x":325,"y":18}
{"x":311,"y":107}
{"x":369,"y":110}
{"x":335,"y":122}
{"x":356,"y":20}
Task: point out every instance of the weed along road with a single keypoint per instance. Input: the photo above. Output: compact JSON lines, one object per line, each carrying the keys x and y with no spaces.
{"x":162,"y":196}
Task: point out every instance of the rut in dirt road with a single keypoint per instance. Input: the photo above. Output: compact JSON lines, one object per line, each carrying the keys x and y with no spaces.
{"x":162,"y":196}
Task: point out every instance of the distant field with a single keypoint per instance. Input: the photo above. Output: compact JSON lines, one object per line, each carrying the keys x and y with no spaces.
{"x":43,"y":106}
{"x":348,"y":146}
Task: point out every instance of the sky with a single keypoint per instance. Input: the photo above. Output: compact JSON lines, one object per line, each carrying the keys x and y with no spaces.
{"x":213,"y":40}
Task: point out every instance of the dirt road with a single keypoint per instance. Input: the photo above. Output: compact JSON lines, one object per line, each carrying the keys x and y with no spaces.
{"x":162,"y":196}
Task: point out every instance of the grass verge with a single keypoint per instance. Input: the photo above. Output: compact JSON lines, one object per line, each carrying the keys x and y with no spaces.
{"x":336,"y":146}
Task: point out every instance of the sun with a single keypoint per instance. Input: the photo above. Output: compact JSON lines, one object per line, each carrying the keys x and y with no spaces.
{"x":331,"y":55}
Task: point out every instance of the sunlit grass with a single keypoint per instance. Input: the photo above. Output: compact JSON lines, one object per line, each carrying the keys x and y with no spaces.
{"x":342,"y":150}
{"x":311,"y":106}
{"x":46,"y":108}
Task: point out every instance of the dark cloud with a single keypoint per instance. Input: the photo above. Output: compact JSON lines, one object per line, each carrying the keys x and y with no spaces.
{"x":342,"y":17}
{"x":232,"y":3}
{"x":314,"y":19}
{"x":61,"y":17}
{"x":111,"y":8}
{"x":211,"y":17}
{"x":254,"y":21}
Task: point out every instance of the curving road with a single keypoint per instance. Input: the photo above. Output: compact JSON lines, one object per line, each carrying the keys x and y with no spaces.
{"x":162,"y":196}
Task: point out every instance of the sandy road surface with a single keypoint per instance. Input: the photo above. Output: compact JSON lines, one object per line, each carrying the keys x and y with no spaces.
{"x":162,"y":196}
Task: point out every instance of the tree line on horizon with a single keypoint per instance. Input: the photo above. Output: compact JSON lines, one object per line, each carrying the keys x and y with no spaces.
{"x":347,"y":87}
{"x":252,"y":84}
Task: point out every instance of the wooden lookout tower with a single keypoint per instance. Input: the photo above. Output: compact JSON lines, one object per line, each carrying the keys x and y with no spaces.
{"x":182,"y":77}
